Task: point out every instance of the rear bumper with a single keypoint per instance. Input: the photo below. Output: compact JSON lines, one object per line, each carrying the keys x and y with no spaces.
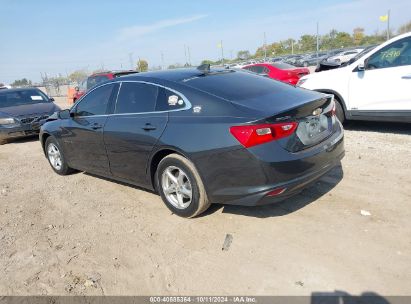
{"x":292,"y":187}
{"x":254,"y":177}
{"x":18,"y":131}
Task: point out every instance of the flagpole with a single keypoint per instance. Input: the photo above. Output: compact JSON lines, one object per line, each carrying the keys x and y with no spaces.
{"x":388,"y":25}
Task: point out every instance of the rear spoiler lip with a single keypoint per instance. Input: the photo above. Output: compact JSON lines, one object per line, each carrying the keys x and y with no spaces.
{"x":283,"y":115}
{"x":292,"y":115}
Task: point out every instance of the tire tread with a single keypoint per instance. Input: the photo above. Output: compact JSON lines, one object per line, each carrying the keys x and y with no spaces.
{"x":203,"y":202}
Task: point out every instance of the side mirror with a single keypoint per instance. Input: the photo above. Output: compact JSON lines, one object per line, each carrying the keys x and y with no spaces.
{"x":361,"y":67}
{"x":52,"y":99}
{"x":77,"y":89}
{"x":64,"y":114}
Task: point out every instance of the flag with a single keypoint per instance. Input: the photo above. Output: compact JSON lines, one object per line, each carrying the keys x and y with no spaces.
{"x":384,"y":18}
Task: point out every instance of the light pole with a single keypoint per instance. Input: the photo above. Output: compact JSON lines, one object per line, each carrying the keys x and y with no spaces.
{"x":162,"y":61}
{"x":222,"y":52}
{"x":318,"y":42}
{"x":130,"y":58}
{"x":189,"y":55}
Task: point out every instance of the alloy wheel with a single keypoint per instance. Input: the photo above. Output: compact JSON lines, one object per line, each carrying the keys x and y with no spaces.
{"x":177,"y":187}
{"x":54,"y":156}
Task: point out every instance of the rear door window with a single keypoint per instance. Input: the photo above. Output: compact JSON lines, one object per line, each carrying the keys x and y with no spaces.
{"x":169,"y":100}
{"x":136,"y":97}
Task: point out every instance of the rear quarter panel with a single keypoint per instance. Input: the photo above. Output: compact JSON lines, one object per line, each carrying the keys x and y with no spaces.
{"x":204,"y":137}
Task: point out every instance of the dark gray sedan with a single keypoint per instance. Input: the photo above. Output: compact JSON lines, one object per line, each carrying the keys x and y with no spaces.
{"x":21,"y":110}
{"x":199,"y":136}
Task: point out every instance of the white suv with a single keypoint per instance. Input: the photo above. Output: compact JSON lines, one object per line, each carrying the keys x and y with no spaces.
{"x":377,"y":86}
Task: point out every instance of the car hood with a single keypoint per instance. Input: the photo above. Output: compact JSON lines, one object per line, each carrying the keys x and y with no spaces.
{"x":23,"y":110}
{"x":329,"y":74}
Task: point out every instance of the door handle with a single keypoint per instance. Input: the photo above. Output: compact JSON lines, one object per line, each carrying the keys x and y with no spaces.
{"x":149,"y":127}
{"x":96,"y":126}
{"x":406,"y":76}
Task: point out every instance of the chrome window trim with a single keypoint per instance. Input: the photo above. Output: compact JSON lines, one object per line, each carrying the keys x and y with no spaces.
{"x":186,"y":101}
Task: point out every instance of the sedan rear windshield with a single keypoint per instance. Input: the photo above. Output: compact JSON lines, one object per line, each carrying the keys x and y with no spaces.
{"x":236,"y":85}
{"x":282,"y":65}
{"x":92,"y":81}
{"x":11,"y":98}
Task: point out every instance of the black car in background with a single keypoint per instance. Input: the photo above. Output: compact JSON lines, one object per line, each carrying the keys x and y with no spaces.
{"x":311,"y":59}
{"x":199,"y":136}
{"x":21,"y":110}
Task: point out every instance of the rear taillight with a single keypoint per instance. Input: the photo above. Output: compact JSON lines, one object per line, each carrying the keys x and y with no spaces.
{"x":252,"y":135}
{"x":276,"y":192}
{"x":333,"y":111}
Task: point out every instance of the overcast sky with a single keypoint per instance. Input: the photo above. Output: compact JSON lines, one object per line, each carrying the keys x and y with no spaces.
{"x":58,"y":37}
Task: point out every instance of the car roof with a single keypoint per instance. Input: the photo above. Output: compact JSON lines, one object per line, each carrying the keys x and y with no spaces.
{"x":258,"y":64}
{"x":114,"y":72}
{"x":176,"y":75}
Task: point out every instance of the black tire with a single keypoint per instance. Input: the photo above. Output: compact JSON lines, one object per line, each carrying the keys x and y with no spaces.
{"x":339,"y":111}
{"x":199,"y":201}
{"x":64,"y":168}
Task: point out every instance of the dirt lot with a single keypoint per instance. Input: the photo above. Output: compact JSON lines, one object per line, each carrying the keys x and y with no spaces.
{"x":81,"y":234}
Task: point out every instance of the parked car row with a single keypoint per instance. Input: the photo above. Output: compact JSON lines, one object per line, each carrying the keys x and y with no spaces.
{"x":336,"y":57}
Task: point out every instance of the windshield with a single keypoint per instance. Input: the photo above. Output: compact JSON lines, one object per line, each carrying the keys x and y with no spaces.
{"x":11,"y":98}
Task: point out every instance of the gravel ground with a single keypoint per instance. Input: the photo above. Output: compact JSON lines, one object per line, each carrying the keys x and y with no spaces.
{"x":351,"y":232}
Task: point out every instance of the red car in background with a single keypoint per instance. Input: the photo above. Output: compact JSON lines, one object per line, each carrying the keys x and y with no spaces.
{"x":279,"y":70}
{"x":97,"y":78}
